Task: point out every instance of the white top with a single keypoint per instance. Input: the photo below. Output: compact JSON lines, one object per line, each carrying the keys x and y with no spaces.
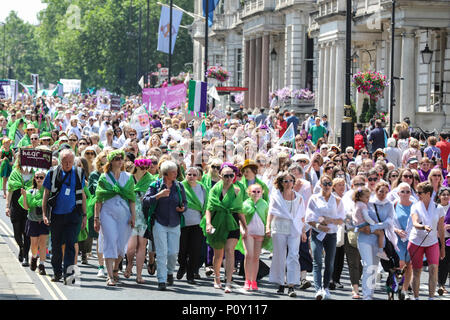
{"x":319,"y":207}
{"x":256,"y":226}
{"x":193,"y":217}
{"x":428,"y":217}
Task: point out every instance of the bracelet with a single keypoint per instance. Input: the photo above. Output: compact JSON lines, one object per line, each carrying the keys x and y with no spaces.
{"x":96,"y":218}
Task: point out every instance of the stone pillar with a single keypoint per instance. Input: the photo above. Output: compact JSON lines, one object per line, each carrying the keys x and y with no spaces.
{"x":407,"y":86}
{"x":446,"y":79}
{"x":319,"y":93}
{"x":258,"y":57}
{"x":246,"y":73}
{"x":339,"y":88}
{"x":265,"y":63}
{"x":326,"y":80}
{"x":331,"y":85}
{"x":251,"y":70}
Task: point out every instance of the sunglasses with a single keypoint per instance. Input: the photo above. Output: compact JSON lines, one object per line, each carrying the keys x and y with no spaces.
{"x":436,"y":175}
{"x":73,"y":140}
{"x":394,"y":176}
{"x":132,"y":134}
{"x":288,"y":181}
{"x":407,"y":176}
{"x":364,"y":152}
{"x":359,"y":184}
{"x":34,"y":138}
{"x":302,"y":161}
{"x":89,"y":153}
{"x":39,"y":178}
{"x":256,"y":191}
{"x":327,"y":184}
{"x":229,"y":176}
{"x":215,"y":167}
{"x":191,"y":174}
{"x":83,"y":144}
{"x":118,"y":159}
{"x":421,"y":192}
{"x":372,"y":179}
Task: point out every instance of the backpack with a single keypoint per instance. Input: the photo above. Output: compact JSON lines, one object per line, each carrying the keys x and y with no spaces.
{"x":358,"y":141}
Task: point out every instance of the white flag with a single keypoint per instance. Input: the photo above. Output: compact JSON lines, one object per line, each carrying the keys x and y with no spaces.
{"x":212,"y":92}
{"x":141,"y":82}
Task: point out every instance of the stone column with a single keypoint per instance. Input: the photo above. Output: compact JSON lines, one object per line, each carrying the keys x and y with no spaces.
{"x":251,"y":70}
{"x":258,"y":56}
{"x":265,"y":63}
{"x":326,"y":79}
{"x":407,"y":86}
{"x":331,"y":85}
{"x":446,"y":79}
{"x":339,"y":100}
{"x":319,"y":93}
{"x":246,"y":73}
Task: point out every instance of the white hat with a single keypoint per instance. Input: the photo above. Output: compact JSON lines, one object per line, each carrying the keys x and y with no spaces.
{"x":300,"y":156}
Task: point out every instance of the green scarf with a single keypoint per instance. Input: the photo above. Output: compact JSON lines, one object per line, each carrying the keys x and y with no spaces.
{"x":90,"y":205}
{"x":15,"y":181}
{"x":207,"y":181}
{"x":13,"y":129}
{"x":258,"y":181}
{"x":24,"y":142}
{"x":33,"y":200}
{"x":221,"y":212}
{"x":192,"y":199}
{"x":106,"y":191}
{"x":145,"y":182}
{"x":262,"y":209}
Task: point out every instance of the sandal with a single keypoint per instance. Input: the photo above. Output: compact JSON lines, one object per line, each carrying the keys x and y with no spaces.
{"x":139,"y":280}
{"x":217,"y":285}
{"x":228,"y":288}
{"x":127,"y":273}
{"x":355,"y":295}
{"x":151,"y":268}
{"x":116,"y":275}
{"x":110,"y":282}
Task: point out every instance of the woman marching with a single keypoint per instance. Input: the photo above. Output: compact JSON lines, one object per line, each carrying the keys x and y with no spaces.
{"x":285,"y":226}
{"x":114,"y":212}
{"x":137,"y":242}
{"x":19,"y":179}
{"x":7,"y":158}
{"x":224,"y":221}
{"x":191,"y":233}
{"x":36,"y":229}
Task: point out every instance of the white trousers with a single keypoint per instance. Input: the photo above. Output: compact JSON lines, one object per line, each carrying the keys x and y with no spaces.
{"x":285,"y":256}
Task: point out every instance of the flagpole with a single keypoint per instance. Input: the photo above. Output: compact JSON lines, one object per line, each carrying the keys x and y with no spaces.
{"x":206,"y":2}
{"x":170,"y":43}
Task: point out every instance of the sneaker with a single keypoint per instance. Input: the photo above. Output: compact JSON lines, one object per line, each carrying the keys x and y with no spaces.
{"x":84,"y":259}
{"x":305,"y":284}
{"x":170,"y":279}
{"x":254,"y":286}
{"x":332,"y":286}
{"x":382,"y":255}
{"x":228,"y":288}
{"x":101,"y":272}
{"x":209,"y":271}
{"x":247,"y":285}
{"x":33,"y":264}
{"x":291,"y":292}
{"x":180,"y":273}
{"x":319,"y":295}
{"x":161,"y":286}
{"x":440,"y":291}
{"x":327,"y":295}
{"x":42,"y":270}
{"x":25,"y":262}
{"x":339,"y":285}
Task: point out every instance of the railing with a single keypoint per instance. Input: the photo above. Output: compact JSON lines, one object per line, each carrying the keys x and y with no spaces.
{"x":251,"y":7}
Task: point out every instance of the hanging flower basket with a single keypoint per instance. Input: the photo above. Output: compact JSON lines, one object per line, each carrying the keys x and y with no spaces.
{"x":288,"y":96}
{"x":371,"y":83}
{"x":218,"y":73}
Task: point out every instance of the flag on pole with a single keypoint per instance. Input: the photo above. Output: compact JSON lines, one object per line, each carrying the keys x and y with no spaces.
{"x":288,"y":136}
{"x":164,"y":28}
{"x":212,"y":92}
{"x":211,"y":6}
{"x":141,"y":82}
{"x":197,"y":96}
{"x":202,"y":128}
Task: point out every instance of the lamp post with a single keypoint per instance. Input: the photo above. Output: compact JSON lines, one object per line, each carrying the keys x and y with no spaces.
{"x":426,"y":53}
{"x":392,"y":97}
{"x":4,"y":49}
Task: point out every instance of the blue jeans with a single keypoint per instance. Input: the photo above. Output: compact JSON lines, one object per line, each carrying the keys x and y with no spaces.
{"x":368,"y":249}
{"x":167,"y":244}
{"x":329,"y":245}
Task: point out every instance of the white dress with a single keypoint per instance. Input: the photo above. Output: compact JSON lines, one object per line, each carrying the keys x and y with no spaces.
{"x":114,"y":218}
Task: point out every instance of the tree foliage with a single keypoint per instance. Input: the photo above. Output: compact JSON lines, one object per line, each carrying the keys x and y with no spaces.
{"x":95,"y":41}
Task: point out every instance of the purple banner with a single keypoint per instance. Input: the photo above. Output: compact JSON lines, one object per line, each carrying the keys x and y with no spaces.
{"x":35,"y":158}
{"x":173,"y":96}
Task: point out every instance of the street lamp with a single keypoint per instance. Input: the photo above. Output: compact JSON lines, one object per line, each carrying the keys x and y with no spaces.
{"x":4,"y":48}
{"x":273,"y":55}
{"x":426,"y":53}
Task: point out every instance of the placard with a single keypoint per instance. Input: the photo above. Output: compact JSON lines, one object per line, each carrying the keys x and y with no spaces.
{"x":35,"y":158}
{"x":115,"y":102}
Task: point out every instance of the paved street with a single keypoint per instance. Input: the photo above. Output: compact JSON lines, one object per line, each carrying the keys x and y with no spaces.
{"x":17,"y":282}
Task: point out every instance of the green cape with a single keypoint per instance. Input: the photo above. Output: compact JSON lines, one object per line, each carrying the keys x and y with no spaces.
{"x":15,"y":181}
{"x":221,"y":214}
{"x":192,"y":199}
{"x":106,"y":191}
{"x":24,"y":142}
{"x":258,"y":181}
{"x":145,"y":182}
{"x":262,"y":209}
{"x":33,"y":201}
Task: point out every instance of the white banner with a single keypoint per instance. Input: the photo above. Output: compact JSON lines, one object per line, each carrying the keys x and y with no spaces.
{"x":71,"y":85}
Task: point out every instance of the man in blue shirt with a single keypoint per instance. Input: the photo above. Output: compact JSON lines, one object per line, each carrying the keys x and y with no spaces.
{"x":292,"y":118}
{"x":67,"y":217}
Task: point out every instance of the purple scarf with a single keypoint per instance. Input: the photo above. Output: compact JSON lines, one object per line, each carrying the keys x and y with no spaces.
{"x":424,"y":175}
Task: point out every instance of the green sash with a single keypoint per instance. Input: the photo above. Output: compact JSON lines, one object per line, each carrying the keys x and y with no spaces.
{"x":15,"y":181}
{"x":261,"y":208}
{"x":106,"y":191}
{"x":24,"y":142}
{"x":143,"y":184}
{"x":221,"y":212}
{"x":192,"y":199}
{"x":33,"y":200}
{"x":258,"y":181}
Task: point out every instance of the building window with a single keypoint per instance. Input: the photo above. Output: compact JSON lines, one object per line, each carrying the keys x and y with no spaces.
{"x":238,"y":68}
{"x":309,"y":58}
{"x":218,"y":60}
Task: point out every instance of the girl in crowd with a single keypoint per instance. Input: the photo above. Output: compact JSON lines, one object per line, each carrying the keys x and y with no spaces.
{"x":7,"y":158}
{"x":443,"y":200}
{"x":36,"y":229}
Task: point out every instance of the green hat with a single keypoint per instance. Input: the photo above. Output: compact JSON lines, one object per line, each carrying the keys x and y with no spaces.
{"x":114,"y":154}
{"x":46,"y":135}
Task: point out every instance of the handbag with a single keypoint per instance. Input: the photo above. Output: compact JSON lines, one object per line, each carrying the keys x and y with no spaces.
{"x":394,"y":260}
{"x":340,"y":234}
{"x":352,"y":238}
